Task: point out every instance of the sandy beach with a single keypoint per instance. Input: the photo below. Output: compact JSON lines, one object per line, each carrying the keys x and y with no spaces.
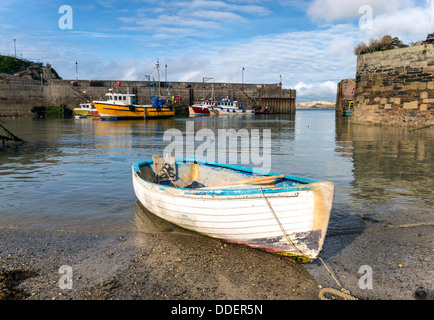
{"x":159,"y":261}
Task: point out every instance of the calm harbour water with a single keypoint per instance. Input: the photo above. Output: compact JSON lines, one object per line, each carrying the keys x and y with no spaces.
{"x":75,"y":174}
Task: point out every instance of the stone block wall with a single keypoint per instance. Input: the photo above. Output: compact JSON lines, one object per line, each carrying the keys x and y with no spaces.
{"x":396,"y":87}
{"x":18,"y":96}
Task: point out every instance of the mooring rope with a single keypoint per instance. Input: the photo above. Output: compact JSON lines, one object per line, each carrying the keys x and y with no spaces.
{"x":335,"y":292}
{"x":343,"y":293}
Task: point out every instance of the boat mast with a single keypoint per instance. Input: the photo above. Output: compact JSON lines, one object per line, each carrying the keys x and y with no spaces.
{"x":158,"y":71}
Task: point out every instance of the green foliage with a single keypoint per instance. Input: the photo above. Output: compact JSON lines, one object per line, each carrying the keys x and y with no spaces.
{"x":9,"y":64}
{"x":56,"y":74}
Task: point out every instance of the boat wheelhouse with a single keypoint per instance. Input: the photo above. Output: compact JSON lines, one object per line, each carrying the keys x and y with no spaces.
{"x":227,"y":107}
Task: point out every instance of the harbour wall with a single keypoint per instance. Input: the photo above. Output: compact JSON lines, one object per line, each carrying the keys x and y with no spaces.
{"x":18,"y":96}
{"x":396,"y":87}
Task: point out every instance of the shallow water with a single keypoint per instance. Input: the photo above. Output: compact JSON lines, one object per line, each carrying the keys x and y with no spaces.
{"x":75,"y":174}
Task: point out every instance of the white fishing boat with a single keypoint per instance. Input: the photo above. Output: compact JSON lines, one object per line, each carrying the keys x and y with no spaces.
{"x":227,"y":107}
{"x":85,"y":110}
{"x":277,"y":213}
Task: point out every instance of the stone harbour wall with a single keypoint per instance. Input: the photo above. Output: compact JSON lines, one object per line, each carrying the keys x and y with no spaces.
{"x":396,"y":87}
{"x":18,"y":96}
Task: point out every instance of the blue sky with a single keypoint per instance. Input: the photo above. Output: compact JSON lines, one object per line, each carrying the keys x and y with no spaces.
{"x":309,"y":43}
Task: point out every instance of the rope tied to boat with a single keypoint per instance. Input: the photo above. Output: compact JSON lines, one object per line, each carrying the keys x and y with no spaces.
{"x":343,"y":293}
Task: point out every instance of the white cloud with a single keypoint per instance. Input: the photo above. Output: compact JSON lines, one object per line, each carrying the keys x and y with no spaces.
{"x":313,"y":62}
{"x":223,"y":6}
{"x":318,"y":91}
{"x":195,"y":18}
{"x":410,"y":24}
{"x":336,"y":10}
{"x":410,"y":20}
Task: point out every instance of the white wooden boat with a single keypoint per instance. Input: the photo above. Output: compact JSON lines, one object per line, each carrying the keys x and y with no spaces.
{"x":281,"y":214}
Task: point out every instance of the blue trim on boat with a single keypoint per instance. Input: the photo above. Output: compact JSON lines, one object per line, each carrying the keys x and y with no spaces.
{"x":305,"y":181}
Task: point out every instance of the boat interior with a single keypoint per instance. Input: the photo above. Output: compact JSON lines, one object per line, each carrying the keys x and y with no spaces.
{"x":194,"y":175}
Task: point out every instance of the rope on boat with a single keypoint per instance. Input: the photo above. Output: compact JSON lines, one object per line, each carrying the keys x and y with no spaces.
{"x":343,"y":293}
{"x":280,"y":224}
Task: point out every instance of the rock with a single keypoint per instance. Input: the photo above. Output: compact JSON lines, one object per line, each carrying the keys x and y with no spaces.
{"x":420,"y":293}
{"x":430,"y":38}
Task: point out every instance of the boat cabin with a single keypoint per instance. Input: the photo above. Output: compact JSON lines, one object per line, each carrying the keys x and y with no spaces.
{"x":228,"y":104}
{"x":121,"y":98}
{"x":206,"y":103}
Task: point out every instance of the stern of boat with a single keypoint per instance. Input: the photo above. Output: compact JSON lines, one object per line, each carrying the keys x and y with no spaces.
{"x":323,"y":197}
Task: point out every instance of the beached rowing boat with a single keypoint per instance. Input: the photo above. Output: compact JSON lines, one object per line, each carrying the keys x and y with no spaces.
{"x":278,"y":213}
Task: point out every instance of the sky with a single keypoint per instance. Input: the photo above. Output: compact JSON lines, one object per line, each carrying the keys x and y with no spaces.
{"x":308,"y":44}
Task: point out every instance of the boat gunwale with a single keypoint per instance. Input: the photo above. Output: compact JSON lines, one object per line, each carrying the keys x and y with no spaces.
{"x":305,"y":183}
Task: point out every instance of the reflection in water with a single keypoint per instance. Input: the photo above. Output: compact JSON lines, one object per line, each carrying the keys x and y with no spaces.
{"x":76,"y":173}
{"x":394,"y":173}
{"x":146,"y":222}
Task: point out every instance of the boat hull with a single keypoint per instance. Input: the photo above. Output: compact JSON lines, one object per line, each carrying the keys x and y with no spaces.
{"x":243,"y":216}
{"x":82,"y":112}
{"x":111,"y":111}
{"x":198,"y":111}
{"x":228,"y":111}
{"x":163,"y":112}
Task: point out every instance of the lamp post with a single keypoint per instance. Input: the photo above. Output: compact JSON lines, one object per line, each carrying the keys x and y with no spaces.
{"x":242,"y":78}
{"x":76,"y":70}
{"x":15,"y":47}
{"x":165,"y":74}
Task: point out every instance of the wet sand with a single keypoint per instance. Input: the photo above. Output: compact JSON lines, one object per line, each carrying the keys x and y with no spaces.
{"x":159,"y":261}
{"x":155,"y":261}
{"x":399,"y":260}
